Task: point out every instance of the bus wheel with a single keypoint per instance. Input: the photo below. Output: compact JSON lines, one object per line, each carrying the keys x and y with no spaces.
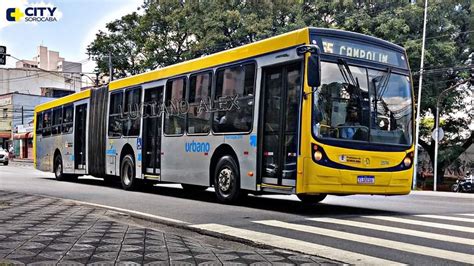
{"x":58,"y":168}
{"x":311,"y":199}
{"x":127,"y":173}
{"x":227,"y":180}
{"x":189,"y":187}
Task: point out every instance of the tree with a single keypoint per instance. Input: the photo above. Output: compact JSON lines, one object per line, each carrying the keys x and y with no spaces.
{"x":168,"y":32}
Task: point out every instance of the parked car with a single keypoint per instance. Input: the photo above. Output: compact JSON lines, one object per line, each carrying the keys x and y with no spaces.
{"x":3,"y":156}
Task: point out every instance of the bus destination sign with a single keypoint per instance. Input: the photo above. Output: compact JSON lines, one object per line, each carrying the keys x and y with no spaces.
{"x":360,"y":50}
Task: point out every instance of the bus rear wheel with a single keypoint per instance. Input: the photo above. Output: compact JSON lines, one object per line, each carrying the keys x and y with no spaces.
{"x":311,"y":199}
{"x":127,"y":173}
{"x":58,"y":168}
{"x":227,"y":180}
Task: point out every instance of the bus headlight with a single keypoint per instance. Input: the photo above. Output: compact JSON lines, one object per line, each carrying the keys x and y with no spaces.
{"x":407,"y":161}
{"x":318,"y":155}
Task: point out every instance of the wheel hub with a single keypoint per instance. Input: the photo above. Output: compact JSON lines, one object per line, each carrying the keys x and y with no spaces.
{"x":225,"y":178}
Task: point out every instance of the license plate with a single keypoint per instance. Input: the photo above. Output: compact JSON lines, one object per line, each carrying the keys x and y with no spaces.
{"x":366,"y":179}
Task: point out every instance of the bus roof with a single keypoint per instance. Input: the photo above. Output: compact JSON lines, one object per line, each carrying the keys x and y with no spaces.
{"x":64,"y":100}
{"x":290,"y":39}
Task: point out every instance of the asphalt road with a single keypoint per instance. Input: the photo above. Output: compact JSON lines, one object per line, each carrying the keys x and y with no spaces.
{"x":415,"y":229}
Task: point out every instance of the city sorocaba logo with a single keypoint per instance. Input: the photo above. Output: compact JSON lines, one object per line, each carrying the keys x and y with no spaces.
{"x":32,"y":14}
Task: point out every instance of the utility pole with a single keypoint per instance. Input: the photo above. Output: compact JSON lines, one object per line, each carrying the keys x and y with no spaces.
{"x":418,"y":107}
{"x":110,"y":67}
{"x":97,"y":79}
{"x":22,"y":117}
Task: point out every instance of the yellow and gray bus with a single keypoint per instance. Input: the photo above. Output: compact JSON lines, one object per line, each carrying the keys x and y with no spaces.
{"x":311,"y":112}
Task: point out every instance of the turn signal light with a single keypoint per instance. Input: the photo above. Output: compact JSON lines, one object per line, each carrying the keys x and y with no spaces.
{"x":407,"y":161}
{"x":318,"y":155}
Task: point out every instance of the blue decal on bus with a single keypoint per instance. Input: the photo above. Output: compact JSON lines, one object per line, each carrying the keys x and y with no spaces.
{"x":139,"y":157}
{"x":197,"y":146}
{"x":111,"y":151}
{"x":253,"y":140}
{"x":233,"y":137}
{"x":139,"y":143}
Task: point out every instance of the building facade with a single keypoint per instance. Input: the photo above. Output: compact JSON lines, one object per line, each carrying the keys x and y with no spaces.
{"x":16,"y":122}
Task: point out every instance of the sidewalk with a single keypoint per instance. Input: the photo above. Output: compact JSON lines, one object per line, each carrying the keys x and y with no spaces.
{"x":443,"y":194}
{"x":48,"y":231}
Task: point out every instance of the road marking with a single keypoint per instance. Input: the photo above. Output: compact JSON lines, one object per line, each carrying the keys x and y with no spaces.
{"x":466,"y":220}
{"x":296,"y":245}
{"x":467,"y":214}
{"x":450,"y":218}
{"x":390,"y":229}
{"x":406,"y":247}
{"x":422,"y":223}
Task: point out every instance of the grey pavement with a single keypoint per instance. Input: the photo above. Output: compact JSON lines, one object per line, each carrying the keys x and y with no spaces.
{"x":37,"y":230}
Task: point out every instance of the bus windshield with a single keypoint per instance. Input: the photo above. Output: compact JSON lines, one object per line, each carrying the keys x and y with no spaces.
{"x":360,"y":104}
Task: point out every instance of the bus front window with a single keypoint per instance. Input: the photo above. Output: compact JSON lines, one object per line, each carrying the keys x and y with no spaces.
{"x":356,"y":104}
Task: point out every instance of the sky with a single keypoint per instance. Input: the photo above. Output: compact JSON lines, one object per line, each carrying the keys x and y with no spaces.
{"x":78,"y":22}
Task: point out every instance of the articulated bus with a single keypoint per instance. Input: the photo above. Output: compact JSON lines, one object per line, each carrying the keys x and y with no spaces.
{"x":311,"y":112}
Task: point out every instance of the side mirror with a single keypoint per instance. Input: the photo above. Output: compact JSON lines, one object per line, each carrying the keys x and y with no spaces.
{"x":314,"y":70}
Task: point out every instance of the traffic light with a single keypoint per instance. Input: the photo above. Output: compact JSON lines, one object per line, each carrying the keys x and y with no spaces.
{"x":3,"y":55}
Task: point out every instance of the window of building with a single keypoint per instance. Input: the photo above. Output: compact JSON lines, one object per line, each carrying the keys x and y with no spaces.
{"x":47,"y":123}
{"x":199,"y":103}
{"x":115,"y":114}
{"x":234,"y":98}
{"x":68,"y":119}
{"x":56,"y":121}
{"x":5,"y":112}
{"x":39,"y":123}
{"x":131,"y":125}
{"x":175,"y":107}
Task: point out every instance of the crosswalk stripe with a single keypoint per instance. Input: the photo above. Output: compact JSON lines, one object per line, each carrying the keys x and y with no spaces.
{"x":449,"y":218}
{"x":390,"y":229}
{"x":296,"y":245}
{"x":407,"y":247}
{"x":467,"y":214}
{"x":422,"y":223}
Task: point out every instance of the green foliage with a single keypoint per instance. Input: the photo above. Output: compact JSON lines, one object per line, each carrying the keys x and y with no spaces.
{"x":169,"y":32}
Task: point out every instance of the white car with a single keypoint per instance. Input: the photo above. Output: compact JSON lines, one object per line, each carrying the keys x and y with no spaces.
{"x":3,"y":156}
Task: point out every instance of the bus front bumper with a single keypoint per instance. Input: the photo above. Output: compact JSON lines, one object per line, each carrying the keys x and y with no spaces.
{"x":317,"y":179}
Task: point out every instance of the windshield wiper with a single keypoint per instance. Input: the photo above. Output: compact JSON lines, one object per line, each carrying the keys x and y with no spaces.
{"x":384,"y":83}
{"x":347,"y":73}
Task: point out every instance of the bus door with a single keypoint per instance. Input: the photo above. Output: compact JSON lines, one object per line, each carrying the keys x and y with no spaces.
{"x":152,"y":130}
{"x":80,"y":137}
{"x":279,"y":137}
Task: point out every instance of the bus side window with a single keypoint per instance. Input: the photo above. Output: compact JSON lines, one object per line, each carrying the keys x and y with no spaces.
{"x":56,"y":121}
{"x":131,"y":124}
{"x":199,"y":97}
{"x":68,"y":119}
{"x":39,"y":123}
{"x":174,"y":99}
{"x":235,"y":85}
{"x":47,"y":123}
{"x":115,"y":113}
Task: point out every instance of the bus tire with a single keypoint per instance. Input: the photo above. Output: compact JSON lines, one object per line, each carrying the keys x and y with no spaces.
{"x":194,"y":188}
{"x":58,"y":168}
{"x":311,"y":199}
{"x":127,"y":173}
{"x":227,"y":180}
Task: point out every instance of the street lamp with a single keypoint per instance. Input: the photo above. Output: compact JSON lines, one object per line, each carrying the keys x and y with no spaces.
{"x":436,"y":132}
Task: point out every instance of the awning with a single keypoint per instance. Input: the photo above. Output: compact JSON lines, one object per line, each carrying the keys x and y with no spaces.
{"x":5,"y":135}
{"x":27,"y":135}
